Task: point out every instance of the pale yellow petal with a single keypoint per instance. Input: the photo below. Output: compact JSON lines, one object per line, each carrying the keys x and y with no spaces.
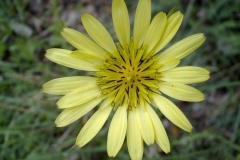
{"x":79,"y":96}
{"x":181,"y":91}
{"x":117,"y":131}
{"x":82,"y":42}
{"x":98,"y":33}
{"x":141,"y":21}
{"x":155,"y":31}
{"x":63,"y":57}
{"x":145,"y":125}
{"x":86,"y":56}
{"x":168,"y":64}
{"x":93,"y":125}
{"x":186,"y":75}
{"x":70,"y":115}
{"x":134,"y":138}
{"x":107,"y":102}
{"x":121,"y":21}
{"x":82,"y":55}
{"x":160,"y":134}
{"x":172,"y":112}
{"x":183,"y":48}
{"x":62,"y":86}
{"x":173,"y":24}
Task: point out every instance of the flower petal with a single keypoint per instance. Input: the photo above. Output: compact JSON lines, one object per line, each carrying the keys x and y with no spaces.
{"x":82,"y":42}
{"x":98,"y":33}
{"x":93,"y":125}
{"x":134,"y":138}
{"x":168,"y":64}
{"x":121,"y":21}
{"x":173,"y":24}
{"x":117,"y":131}
{"x":88,"y":57}
{"x":145,"y":126}
{"x":172,"y":112}
{"x":63,"y":57}
{"x":141,"y":22}
{"x":72,"y":114}
{"x":107,"y":101}
{"x":155,"y":31}
{"x":186,"y":75}
{"x":183,"y":48}
{"x":62,"y":86}
{"x":79,"y":96}
{"x":83,"y":55}
{"x":181,"y":91}
{"x":160,"y":134}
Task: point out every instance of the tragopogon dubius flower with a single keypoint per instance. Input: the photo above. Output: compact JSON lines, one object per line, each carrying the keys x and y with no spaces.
{"x":129,"y":77}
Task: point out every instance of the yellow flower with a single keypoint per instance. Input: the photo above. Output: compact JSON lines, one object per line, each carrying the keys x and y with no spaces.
{"x":129,"y":78}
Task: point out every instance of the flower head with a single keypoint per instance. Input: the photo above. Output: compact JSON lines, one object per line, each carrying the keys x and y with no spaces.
{"x":129,"y":77}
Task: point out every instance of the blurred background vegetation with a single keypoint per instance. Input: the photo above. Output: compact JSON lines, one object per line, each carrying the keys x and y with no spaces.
{"x":27,"y":130}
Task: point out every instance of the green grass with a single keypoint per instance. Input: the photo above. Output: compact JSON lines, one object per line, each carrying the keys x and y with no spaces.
{"x":27,"y":130}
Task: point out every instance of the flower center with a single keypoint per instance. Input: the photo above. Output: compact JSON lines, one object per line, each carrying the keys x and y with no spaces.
{"x":128,"y":77}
